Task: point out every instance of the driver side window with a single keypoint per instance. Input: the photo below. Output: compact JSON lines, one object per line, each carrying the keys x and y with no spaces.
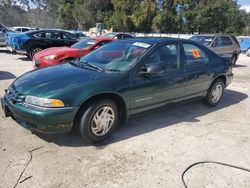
{"x":166,"y":56}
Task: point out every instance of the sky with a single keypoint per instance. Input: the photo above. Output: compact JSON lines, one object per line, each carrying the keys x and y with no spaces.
{"x":245,"y":4}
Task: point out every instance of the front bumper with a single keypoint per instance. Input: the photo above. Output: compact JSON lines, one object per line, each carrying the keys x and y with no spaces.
{"x":44,"y":120}
{"x":229,"y":79}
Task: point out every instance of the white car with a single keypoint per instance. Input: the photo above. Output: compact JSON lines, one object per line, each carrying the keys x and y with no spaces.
{"x":23,"y":29}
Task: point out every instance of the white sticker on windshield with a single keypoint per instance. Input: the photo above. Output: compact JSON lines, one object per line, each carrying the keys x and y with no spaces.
{"x":208,"y":40}
{"x":90,"y":42}
{"x":144,"y":45}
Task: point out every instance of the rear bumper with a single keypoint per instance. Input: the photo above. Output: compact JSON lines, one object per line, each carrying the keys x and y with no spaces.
{"x":44,"y":120}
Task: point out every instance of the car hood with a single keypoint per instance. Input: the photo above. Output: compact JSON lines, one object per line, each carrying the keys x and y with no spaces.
{"x":50,"y":81}
{"x":56,"y":51}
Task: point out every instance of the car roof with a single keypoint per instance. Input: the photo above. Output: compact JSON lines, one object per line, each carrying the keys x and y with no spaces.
{"x":211,"y":35}
{"x":102,"y":38}
{"x":46,"y":30}
{"x":154,"y":40}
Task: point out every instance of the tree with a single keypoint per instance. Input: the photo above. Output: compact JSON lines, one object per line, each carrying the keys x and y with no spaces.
{"x":166,"y":19}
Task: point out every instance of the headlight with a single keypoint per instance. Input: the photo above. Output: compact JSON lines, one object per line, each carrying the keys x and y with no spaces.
{"x":37,"y":101}
{"x":50,"y":57}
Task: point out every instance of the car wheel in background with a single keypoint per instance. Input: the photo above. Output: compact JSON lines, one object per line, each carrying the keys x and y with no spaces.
{"x":215,"y":92}
{"x":97,"y":121}
{"x":33,"y":51}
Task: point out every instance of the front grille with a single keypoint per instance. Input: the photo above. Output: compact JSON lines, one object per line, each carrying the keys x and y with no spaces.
{"x":13,"y":96}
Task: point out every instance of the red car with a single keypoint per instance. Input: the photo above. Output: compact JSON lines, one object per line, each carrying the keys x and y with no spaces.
{"x":53,"y":56}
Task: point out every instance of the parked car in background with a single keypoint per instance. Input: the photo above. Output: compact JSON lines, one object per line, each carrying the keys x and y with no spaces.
{"x":23,"y":29}
{"x":244,"y":44}
{"x":115,"y":35}
{"x":29,"y":43}
{"x":100,"y":90}
{"x":78,"y":34}
{"x":221,"y":44}
{"x":3,"y":31}
{"x":56,"y":55}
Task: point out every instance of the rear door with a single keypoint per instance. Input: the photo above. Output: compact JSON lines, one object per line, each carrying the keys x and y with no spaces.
{"x":148,"y":92}
{"x":197,"y":68}
{"x":224,"y":45}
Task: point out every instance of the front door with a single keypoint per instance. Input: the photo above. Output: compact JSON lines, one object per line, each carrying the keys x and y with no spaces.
{"x":152,"y":91}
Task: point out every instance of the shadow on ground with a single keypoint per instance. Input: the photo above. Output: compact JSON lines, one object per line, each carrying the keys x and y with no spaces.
{"x":24,"y":58}
{"x":151,"y":121}
{"x":239,"y":66}
{"x":4,"y":75}
{"x":5,"y":51}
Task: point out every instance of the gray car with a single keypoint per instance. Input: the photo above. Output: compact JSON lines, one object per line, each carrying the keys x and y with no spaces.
{"x":3,"y":31}
{"x":222,"y":44}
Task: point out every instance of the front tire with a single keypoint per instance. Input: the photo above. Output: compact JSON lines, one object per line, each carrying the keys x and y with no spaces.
{"x":97,"y":121}
{"x":215,"y":92}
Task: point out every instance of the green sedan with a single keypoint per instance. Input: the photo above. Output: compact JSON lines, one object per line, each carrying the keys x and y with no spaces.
{"x":101,"y":90}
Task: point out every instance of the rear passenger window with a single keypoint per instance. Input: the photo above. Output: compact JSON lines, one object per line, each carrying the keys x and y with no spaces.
{"x":47,"y":35}
{"x":226,"y":41}
{"x":166,"y":56}
{"x":194,"y":55}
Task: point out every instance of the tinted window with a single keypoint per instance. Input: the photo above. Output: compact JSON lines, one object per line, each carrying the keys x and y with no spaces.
{"x":25,"y":29}
{"x":226,"y":41}
{"x":205,"y":40}
{"x":104,"y":42}
{"x":166,"y":56}
{"x":194,"y":55}
{"x":43,"y":35}
{"x":56,"y":35}
{"x":222,"y":41}
{"x":67,"y":36}
{"x":84,"y":43}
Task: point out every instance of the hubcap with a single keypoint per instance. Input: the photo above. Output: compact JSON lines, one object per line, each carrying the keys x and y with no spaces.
{"x":36,"y":50}
{"x":102,"y":121}
{"x":217,"y":93}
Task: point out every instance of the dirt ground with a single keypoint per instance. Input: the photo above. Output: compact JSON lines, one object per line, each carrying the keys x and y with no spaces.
{"x":151,"y":150}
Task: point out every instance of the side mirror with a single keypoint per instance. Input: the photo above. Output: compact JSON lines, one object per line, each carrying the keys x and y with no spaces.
{"x":151,"y":70}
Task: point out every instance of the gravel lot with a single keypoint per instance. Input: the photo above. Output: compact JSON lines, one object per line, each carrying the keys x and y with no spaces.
{"x":151,"y":150}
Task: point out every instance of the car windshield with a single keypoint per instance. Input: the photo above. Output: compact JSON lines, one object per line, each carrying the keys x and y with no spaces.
{"x":205,"y":40}
{"x":117,"y":56}
{"x":84,"y":44}
{"x":111,"y":35}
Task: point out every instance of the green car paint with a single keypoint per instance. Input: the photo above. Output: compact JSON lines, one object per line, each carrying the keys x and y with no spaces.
{"x":133,"y":90}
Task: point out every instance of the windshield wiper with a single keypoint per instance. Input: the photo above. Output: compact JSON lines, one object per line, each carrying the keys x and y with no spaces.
{"x":84,"y":63}
{"x":114,"y":70}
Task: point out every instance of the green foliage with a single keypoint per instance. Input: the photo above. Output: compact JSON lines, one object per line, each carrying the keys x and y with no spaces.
{"x":174,"y":16}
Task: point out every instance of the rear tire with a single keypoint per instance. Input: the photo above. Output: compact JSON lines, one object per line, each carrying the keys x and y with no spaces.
{"x":215,"y":92}
{"x":97,"y":121}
